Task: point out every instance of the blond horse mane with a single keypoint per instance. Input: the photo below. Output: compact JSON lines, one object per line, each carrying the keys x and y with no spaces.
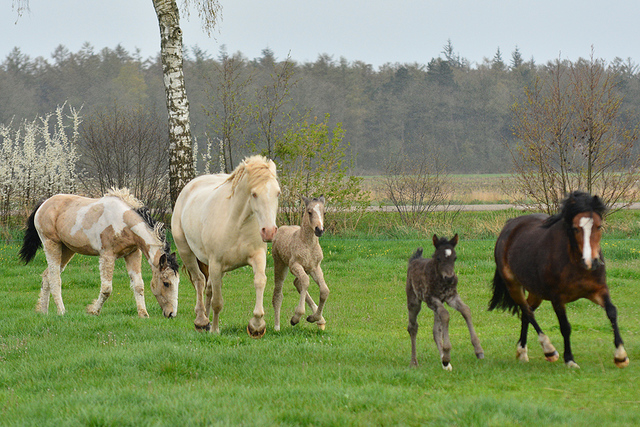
{"x":125,"y":195}
{"x":257,"y":169}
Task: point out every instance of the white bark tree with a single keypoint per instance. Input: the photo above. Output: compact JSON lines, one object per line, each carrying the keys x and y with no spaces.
{"x":180,"y":162}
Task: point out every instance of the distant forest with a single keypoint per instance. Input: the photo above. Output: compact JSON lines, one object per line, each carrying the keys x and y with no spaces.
{"x":460,"y":110}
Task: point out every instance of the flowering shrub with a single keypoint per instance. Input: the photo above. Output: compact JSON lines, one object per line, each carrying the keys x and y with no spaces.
{"x":37,"y":160}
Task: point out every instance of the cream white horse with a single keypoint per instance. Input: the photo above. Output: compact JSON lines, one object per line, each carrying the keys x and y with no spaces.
{"x":221,"y":222}
{"x":114,"y":226}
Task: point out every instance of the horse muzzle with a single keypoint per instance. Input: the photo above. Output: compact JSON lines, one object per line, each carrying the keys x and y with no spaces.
{"x":595,"y":264}
{"x":268,"y":233}
{"x":318,"y":231}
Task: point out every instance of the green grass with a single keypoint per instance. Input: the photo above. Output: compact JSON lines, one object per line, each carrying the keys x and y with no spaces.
{"x":116,"y":369}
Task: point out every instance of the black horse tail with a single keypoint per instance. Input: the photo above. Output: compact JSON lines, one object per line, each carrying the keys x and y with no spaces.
{"x":501,"y":298}
{"x":416,"y":255}
{"x":31,"y":242}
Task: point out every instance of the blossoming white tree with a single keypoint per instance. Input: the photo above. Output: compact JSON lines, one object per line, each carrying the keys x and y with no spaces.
{"x":38,"y":159}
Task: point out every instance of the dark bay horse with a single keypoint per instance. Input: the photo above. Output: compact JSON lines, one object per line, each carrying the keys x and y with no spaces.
{"x":434,"y":281}
{"x":555,"y":258}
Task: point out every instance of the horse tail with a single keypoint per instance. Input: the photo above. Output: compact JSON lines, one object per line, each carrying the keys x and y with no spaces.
{"x":501,"y":298}
{"x":416,"y":255}
{"x":31,"y":242}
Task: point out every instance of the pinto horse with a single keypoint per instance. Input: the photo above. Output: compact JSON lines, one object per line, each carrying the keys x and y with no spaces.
{"x":114,"y":226}
{"x":222,"y":222}
{"x":555,"y":258}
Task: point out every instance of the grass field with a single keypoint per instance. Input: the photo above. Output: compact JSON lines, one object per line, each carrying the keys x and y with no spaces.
{"x":116,"y":369}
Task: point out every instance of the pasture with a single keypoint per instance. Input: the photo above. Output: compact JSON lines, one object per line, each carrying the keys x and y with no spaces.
{"x":117,"y":369}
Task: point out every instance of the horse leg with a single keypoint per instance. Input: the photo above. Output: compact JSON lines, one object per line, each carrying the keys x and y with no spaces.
{"x":257,"y":326}
{"x":280,"y":271}
{"x":457,"y":303}
{"x":107,"y":263}
{"x":521,"y":350}
{"x":133,"y":263}
{"x":413,"y":307}
{"x":53,"y":252}
{"x":214,"y":295}
{"x":620,"y":357}
{"x":318,"y":277}
{"x":441,"y":331}
{"x":549,"y":350}
{"x":198,"y":280}
{"x":302,"y":285}
{"x":565,"y":329}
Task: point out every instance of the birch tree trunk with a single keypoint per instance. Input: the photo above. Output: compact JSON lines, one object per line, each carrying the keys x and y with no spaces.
{"x":181,"y":169}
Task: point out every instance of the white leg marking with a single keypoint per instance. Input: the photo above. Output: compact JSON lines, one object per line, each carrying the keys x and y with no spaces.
{"x":522,"y":353}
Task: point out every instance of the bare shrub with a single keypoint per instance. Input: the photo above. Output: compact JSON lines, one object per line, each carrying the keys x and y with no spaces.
{"x":416,"y":186}
{"x":126,"y":147}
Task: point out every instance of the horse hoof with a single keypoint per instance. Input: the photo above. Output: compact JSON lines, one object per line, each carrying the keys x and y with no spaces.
{"x":572,"y":364}
{"x":622,"y":363}
{"x":552,"y":357}
{"x":447,"y":366}
{"x":321,"y":327}
{"x":293,"y":322}
{"x":205,"y":328}
{"x":256,"y":334}
{"x":480,"y":355}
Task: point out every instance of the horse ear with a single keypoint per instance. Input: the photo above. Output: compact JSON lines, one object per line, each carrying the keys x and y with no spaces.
{"x":454,"y":241}
{"x":321,"y":198}
{"x":435,"y":240}
{"x":163,"y":261}
{"x":305,"y":200}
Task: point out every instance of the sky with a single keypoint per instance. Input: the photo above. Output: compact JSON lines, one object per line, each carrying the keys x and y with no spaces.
{"x":373,"y":31}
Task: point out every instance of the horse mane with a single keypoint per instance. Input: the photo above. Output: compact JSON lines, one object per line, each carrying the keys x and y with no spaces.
{"x":576,"y":202}
{"x":125,"y":195}
{"x":157,"y":228}
{"x":258,"y":170}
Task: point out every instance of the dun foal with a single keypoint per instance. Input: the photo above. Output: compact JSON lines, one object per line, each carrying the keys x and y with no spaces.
{"x":434,"y":281}
{"x":298,"y":248}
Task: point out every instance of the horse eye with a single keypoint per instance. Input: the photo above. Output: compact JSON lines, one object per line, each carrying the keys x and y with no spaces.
{"x":254,"y":195}
{"x":166,"y":284}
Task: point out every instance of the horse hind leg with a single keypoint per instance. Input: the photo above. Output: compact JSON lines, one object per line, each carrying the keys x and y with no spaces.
{"x":302,"y":285}
{"x":51,"y":281}
{"x":528,"y":306}
{"x":280,"y":273}
{"x":413,"y":307}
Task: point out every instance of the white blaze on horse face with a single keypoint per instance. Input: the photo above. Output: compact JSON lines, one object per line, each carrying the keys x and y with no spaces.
{"x":447,"y":253}
{"x":586,"y":224}
{"x":317,"y":211}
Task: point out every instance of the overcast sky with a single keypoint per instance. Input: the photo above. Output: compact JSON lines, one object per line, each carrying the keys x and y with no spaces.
{"x":373,"y":31}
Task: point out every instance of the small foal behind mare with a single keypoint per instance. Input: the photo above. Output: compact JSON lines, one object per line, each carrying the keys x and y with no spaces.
{"x":434,"y":281}
{"x":298,"y":249}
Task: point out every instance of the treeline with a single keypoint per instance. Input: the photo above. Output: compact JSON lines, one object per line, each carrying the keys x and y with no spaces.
{"x":448,"y":105}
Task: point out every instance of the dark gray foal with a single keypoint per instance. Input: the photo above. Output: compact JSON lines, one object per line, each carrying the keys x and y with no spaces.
{"x":434,"y":281}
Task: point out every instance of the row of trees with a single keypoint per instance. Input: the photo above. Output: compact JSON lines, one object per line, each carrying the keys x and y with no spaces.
{"x":398,"y":108}
{"x":468,"y":118}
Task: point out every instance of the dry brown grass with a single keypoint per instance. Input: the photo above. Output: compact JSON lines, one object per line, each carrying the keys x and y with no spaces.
{"x":464,"y":189}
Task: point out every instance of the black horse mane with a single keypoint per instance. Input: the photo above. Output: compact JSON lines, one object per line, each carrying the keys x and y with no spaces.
{"x":160,"y":230}
{"x":575,"y":203}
